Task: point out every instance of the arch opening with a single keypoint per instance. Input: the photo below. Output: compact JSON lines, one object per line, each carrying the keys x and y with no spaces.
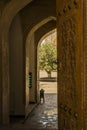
{"x":17,"y":61}
{"x":44,"y":81}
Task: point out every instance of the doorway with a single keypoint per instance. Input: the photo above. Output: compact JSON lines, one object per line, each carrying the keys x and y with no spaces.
{"x":47,"y":78}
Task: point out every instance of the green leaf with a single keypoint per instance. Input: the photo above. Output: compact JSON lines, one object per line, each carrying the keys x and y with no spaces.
{"x":47,"y":57}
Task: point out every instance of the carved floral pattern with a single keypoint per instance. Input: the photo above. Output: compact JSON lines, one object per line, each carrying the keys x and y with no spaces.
{"x":68,"y":59}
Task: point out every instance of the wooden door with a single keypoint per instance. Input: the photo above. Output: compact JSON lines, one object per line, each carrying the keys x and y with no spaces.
{"x":70,"y":61}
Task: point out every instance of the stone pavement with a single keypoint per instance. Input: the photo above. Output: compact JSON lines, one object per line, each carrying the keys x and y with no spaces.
{"x":43,"y":117}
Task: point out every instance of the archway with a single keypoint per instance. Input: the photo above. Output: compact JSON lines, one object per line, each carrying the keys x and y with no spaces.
{"x":11,"y":12}
{"x":72,"y":10}
{"x":42,"y":76}
{"x":19,"y":78}
{"x":37,"y":34}
{"x":38,"y":53}
{"x":46,"y":25}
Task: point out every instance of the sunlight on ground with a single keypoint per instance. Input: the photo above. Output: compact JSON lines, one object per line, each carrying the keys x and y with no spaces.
{"x":44,"y":74}
{"x":48,"y":86}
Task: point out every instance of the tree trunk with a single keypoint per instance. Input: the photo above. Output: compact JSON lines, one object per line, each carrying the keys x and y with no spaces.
{"x":49,"y":74}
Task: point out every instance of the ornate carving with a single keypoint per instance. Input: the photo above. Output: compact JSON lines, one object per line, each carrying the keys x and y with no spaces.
{"x":68,"y":59}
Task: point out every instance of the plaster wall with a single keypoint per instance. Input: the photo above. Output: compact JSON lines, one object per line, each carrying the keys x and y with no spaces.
{"x":32,"y":68}
{"x":27,"y":75}
{"x":40,"y":32}
{"x":0,"y":70}
{"x":16,"y":67}
{"x":36,"y":12}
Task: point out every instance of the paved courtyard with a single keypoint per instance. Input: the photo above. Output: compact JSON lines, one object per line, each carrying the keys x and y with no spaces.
{"x":50,"y":86}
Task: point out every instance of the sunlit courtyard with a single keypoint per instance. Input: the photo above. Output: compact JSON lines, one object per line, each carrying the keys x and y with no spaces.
{"x":49,"y":85}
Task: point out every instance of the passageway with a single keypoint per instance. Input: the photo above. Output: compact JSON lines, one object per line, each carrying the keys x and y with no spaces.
{"x":43,"y":117}
{"x":23,"y":23}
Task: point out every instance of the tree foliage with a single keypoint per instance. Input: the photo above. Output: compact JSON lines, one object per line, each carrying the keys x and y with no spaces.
{"x":47,"y":57}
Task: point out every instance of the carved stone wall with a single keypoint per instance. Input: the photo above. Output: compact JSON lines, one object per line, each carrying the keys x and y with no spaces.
{"x":70,"y":52}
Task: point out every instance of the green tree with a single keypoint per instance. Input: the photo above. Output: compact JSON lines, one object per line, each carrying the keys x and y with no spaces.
{"x":48,"y":58}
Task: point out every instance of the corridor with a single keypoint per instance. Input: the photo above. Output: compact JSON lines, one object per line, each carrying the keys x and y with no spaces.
{"x":23,"y":25}
{"x":43,"y":117}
